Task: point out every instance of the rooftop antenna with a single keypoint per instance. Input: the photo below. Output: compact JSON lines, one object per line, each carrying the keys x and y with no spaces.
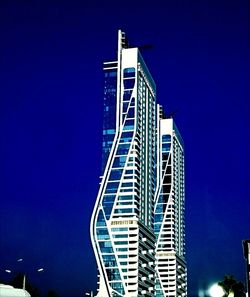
{"x":124,"y":40}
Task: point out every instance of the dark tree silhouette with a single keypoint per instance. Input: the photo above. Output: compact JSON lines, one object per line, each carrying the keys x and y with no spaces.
{"x":231,"y":285}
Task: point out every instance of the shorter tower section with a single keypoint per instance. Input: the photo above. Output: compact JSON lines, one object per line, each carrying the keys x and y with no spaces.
{"x":169,"y":226}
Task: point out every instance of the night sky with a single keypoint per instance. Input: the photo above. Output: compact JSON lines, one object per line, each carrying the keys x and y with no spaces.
{"x":51,"y":96}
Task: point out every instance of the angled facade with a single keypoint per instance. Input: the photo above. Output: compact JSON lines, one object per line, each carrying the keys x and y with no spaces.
{"x":131,"y":215}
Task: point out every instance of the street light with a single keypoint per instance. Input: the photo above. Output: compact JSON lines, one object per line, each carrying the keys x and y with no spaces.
{"x":89,"y":294}
{"x":216,"y":291}
{"x":24,"y":276}
{"x":20,"y":260}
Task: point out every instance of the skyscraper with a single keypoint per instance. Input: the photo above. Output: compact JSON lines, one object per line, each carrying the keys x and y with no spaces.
{"x":133,"y":199}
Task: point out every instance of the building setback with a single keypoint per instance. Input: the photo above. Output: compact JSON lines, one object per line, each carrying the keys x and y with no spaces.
{"x":137,"y":226}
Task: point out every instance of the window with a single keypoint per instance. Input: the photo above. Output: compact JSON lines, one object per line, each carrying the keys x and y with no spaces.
{"x":115,"y":174}
{"x":129,"y":72}
{"x":112,"y":187}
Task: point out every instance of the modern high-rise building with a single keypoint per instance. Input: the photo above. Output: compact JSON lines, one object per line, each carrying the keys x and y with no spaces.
{"x":137,"y":226}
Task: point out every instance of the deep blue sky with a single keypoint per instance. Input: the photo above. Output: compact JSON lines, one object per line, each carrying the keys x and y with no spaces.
{"x":51,"y":92}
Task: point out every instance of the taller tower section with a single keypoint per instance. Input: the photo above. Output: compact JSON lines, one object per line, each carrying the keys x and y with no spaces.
{"x":122,"y":223}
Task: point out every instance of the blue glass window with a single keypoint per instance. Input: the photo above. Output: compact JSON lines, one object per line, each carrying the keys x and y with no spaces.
{"x":127,"y":134}
{"x":166,"y":138}
{"x":121,"y":242}
{"x":119,"y":162}
{"x":112,"y":187}
{"x":103,"y":237}
{"x":161,"y":198}
{"x":128,"y":176}
{"x":120,"y":236}
{"x":107,"y":258}
{"x":106,"y":247}
{"x":127,"y":95}
{"x":127,"y":127}
{"x":125,"y":197}
{"x":119,"y":229}
{"x":131,"y":112}
{"x":107,"y":207}
{"x":109,"y":115}
{"x":129,"y":72}
{"x":126,"y":190}
{"x":123,"y":256}
{"x":123,"y":149}
{"x":106,"y":250}
{"x":166,"y":147}
{"x":157,"y":228}
{"x":124,"y":203}
{"x":158,"y":218}
{"x":110,"y":73}
{"x":129,"y":172}
{"x":125,"y":106}
{"x":102,"y":231}
{"x":129,"y":123}
{"x":159,"y":208}
{"x":124,"y":210}
{"x":100,"y":219}
{"x":127,"y":185}
{"x":129,"y":83}
{"x":117,"y":287}
{"x":110,"y":263}
{"x":122,"y":249}
{"x":108,"y":198}
{"x":115,"y":174}
{"x":109,"y":131}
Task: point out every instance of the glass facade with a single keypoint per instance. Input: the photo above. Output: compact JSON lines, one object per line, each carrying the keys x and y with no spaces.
{"x":109,"y":111}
